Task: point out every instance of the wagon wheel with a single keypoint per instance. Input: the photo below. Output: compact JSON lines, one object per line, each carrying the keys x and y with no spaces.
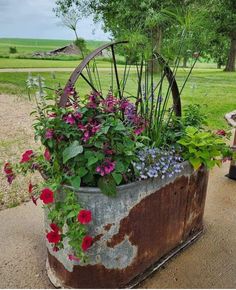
{"x":123,"y":81}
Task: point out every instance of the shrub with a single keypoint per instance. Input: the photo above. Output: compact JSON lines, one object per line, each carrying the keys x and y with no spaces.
{"x":12,"y":49}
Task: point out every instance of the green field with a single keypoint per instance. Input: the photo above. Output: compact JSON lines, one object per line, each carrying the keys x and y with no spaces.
{"x":213,"y":89}
{"x":29,"y":46}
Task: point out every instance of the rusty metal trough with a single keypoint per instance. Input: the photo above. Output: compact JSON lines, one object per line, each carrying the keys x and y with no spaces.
{"x":136,"y":232}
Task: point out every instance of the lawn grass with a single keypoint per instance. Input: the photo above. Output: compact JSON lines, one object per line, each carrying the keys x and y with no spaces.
{"x":213,"y":89}
{"x":39,"y":63}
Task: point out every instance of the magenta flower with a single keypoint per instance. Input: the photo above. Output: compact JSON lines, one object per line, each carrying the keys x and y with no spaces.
{"x":106,"y":167}
{"x":110,"y":104}
{"x":94,"y":101}
{"x":69,"y":119}
{"x":78,"y":115}
{"x":138,"y":131}
{"x":107,"y":150}
{"x":95,"y":128}
{"x":49,"y":134}
{"x":91,"y":128}
{"x":86,"y":136}
{"x":124,"y":103}
{"x":70,"y":91}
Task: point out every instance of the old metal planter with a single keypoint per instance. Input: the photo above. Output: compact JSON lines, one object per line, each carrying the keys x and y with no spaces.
{"x":136,"y":232}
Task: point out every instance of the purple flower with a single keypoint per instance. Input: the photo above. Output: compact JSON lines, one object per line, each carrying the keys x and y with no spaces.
{"x":154,"y":162}
{"x":130,"y":111}
{"x":49,"y":134}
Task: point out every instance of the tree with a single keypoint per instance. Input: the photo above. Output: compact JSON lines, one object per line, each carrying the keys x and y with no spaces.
{"x":70,"y":16}
{"x":223,"y":20}
{"x":144,"y":19}
{"x":208,"y":24}
{"x":69,"y":19}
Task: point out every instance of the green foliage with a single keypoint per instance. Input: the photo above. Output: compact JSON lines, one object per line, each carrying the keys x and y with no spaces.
{"x":203,"y":148}
{"x":12,"y":49}
{"x":65,"y":213}
{"x":174,"y":128}
{"x":73,"y":150}
{"x":107,"y":184}
{"x":81,"y":44}
{"x":194,"y":116}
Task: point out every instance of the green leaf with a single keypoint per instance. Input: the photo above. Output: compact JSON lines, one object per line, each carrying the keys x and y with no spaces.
{"x":72,"y":214}
{"x":120,"y":127}
{"x":105,"y":129}
{"x":92,"y":160}
{"x":98,"y":144}
{"x":75,"y":182}
{"x":107,"y":185}
{"x":73,"y":150}
{"x":118,"y":177}
{"x":196,"y":162}
{"x":191,"y":131}
{"x":210,"y":163}
{"x":119,"y":167}
{"x":82,"y":171}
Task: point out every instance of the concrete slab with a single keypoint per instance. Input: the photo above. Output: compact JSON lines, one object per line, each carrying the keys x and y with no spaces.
{"x":209,"y":263}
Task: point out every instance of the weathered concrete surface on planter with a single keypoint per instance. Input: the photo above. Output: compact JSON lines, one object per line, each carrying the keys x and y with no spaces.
{"x":209,"y":263}
{"x":143,"y":223}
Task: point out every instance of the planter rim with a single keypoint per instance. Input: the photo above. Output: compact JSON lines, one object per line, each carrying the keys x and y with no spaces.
{"x":87,"y":189}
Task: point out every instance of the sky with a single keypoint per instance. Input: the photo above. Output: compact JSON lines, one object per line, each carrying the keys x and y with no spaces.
{"x":35,"y":19}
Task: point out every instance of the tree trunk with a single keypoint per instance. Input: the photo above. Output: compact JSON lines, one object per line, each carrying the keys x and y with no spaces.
{"x":219,"y":65}
{"x":230,"y":65}
{"x":185,"y":61}
{"x":157,"y":42}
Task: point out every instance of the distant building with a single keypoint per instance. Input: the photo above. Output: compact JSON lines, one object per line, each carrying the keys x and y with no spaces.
{"x":68,"y":49}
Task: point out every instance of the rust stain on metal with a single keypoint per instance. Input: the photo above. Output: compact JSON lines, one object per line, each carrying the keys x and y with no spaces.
{"x":97,"y":238}
{"x":107,"y":227}
{"x":196,"y":203}
{"x":156,"y":225}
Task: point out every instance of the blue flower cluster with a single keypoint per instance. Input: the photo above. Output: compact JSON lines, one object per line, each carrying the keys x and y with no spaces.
{"x":154,"y":162}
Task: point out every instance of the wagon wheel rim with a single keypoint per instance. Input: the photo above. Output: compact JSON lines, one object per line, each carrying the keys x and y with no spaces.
{"x":79,"y":72}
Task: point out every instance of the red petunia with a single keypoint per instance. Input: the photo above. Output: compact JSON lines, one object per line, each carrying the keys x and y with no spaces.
{"x":34,"y":200}
{"x":84,"y":216}
{"x":86,"y":243}
{"x":7,"y":168}
{"x":9,"y":172}
{"x":221,"y":132}
{"x":30,"y":188}
{"x":47,"y":155}
{"x":47,"y":196}
{"x":26,"y":156}
{"x":54,"y":227}
{"x":53,"y":237}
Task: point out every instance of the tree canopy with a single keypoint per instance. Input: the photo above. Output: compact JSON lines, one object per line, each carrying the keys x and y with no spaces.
{"x":209,"y":26}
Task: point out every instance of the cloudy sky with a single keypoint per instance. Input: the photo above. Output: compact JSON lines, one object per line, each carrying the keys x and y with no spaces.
{"x":35,"y":19}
